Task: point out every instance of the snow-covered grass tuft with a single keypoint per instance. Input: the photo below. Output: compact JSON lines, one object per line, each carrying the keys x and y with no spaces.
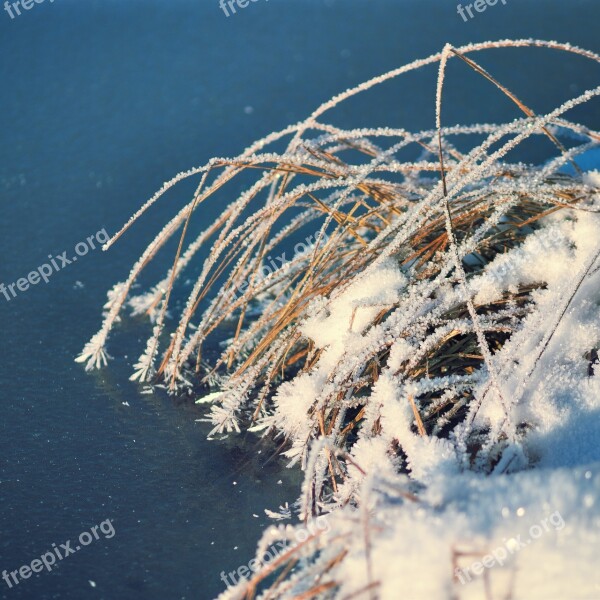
{"x":435,"y":342}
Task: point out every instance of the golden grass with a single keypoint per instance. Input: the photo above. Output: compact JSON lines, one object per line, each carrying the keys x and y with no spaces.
{"x":442,"y":216}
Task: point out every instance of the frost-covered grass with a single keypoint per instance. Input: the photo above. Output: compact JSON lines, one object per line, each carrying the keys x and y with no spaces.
{"x":433,"y":346}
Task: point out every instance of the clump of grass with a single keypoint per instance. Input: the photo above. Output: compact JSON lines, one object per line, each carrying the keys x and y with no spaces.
{"x":411,"y":209}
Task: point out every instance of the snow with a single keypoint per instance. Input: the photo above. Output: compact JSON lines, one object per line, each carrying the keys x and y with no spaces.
{"x":341,"y":329}
{"x":486,"y":516}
